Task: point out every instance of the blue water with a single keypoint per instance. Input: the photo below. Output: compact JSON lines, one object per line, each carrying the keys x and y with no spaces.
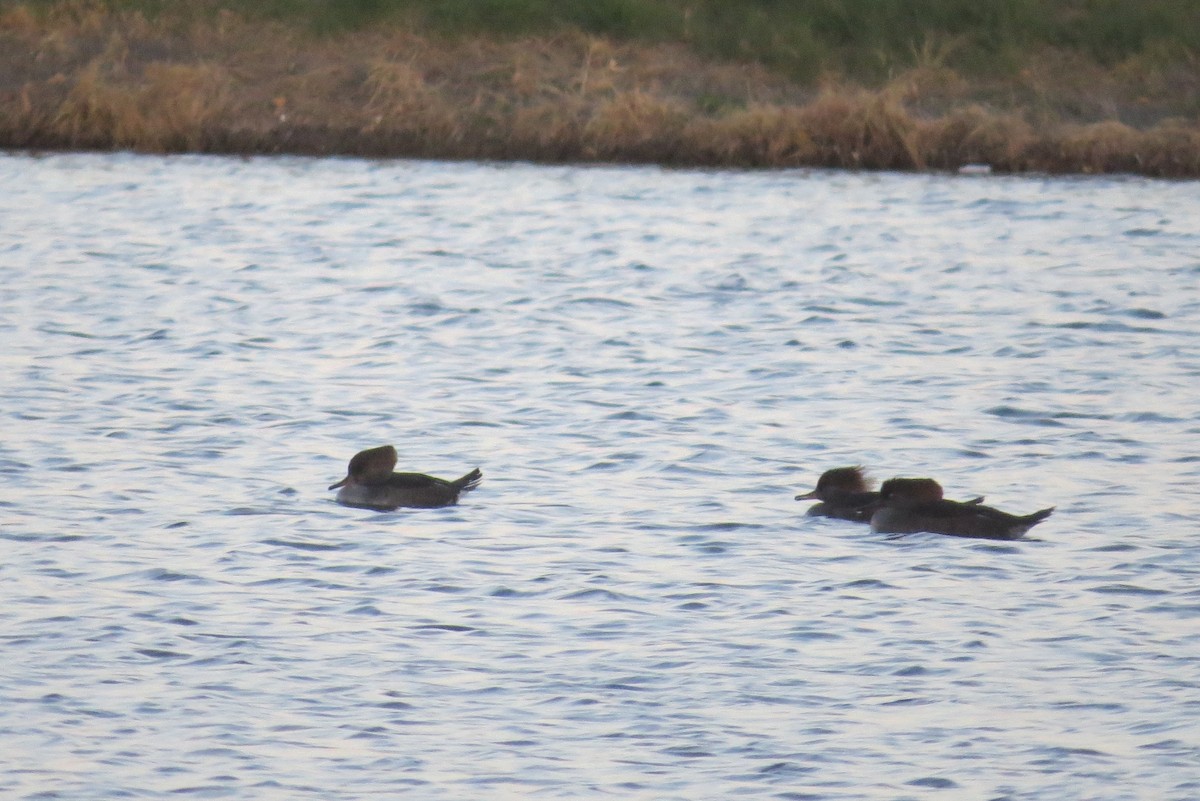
{"x":647,"y":365}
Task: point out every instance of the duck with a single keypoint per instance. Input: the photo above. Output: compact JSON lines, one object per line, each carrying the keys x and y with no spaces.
{"x":845,"y":493}
{"x":371,"y":484}
{"x":910,"y":505}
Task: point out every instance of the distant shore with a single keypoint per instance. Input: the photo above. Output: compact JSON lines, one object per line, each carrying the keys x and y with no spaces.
{"x":91,"y":78}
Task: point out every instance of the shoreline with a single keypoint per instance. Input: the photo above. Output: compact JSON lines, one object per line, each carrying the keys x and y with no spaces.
{"x":976,"y":170}
{"x":104,"y":80}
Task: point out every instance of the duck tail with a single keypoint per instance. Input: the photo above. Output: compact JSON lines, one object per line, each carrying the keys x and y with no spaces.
{"x":468,"y":482}
{"x":1037,"y":517}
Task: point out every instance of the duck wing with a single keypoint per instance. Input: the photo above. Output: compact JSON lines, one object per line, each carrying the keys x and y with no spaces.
{"x":415,"y":481}
{"x":979,"y":521}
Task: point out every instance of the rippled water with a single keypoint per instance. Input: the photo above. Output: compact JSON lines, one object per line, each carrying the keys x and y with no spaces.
{"x":647,"y":365}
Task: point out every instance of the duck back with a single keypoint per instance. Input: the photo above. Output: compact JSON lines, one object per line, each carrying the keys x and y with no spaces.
{"x":955,"y":519}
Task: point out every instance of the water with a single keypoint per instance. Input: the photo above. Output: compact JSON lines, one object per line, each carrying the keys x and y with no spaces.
{"x":647,"y":365}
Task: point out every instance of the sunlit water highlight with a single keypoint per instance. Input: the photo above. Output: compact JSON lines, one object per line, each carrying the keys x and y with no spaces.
{"x":647,"y":365}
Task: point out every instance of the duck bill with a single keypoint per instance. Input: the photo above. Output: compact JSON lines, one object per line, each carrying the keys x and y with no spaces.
{"x":808,"y":496}
{"x":341,"y":483}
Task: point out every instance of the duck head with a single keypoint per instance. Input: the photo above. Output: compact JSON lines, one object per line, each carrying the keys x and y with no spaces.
{"x":910,"y":491}
{"x":839,"y":479}
{"x":371,"y":465}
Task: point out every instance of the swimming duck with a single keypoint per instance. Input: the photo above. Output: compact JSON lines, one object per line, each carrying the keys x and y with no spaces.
{"x":371,"y":484}
{"x":909,"y":505}
{"x":845,"y":493}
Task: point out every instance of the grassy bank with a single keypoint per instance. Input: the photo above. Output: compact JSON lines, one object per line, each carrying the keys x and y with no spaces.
{"x":801,"y":38}
{"x":1067,"y":86}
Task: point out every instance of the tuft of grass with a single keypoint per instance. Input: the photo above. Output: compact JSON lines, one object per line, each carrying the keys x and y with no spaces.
{"x":1108,"y":146}
{"x":166,"y":111}
{"x":403,"y":103}
{"x":973,"y":135}
{"x":396,"y":88}
{"x":755,"y":136}
{"x":862,"y":129}
{"x":635,"y":124}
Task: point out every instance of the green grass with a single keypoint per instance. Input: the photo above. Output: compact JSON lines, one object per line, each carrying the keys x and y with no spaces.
{"x":863,"y":39}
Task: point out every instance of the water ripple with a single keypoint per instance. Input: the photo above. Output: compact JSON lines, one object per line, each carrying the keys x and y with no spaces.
{"x":647,"y":365}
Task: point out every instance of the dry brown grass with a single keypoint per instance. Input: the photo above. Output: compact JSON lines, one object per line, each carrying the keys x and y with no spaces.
{"x":635,"y":124}
{"x":82,"y":77}
{"x":1102,"y":147}
{"x":755,"y":136}
{"x":400,"y":98}
{"x":1166,"y":149}
{"x":973,"y":135}
{"x":857,"y":128}
{"x":167,"y":110}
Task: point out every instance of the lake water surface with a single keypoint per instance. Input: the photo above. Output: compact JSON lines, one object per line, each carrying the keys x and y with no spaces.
{"x":647,"y":365}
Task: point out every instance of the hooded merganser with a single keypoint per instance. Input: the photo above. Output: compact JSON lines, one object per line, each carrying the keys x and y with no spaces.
{"x":845,"y":493}
{"x":371,"y":484}
{"x":909,"y":505}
